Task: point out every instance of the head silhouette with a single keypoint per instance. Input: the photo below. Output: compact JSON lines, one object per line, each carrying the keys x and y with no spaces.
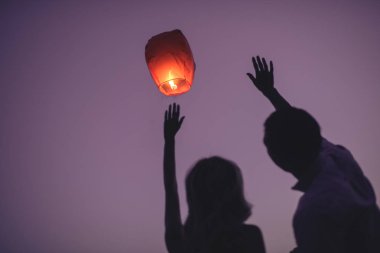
{"x":214,"y":188}
{"x":293,"y":139}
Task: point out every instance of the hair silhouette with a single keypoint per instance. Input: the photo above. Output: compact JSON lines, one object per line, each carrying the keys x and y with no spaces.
{"x":215,"y":196}
{"x":293,"y":139}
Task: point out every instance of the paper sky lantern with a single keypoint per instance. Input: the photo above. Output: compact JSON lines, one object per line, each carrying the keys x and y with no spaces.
{"x":170,"y":62}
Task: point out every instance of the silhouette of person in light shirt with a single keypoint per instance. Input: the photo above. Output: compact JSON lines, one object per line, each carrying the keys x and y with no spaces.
{"x":337,"y":212}
{"x":217,"y":207}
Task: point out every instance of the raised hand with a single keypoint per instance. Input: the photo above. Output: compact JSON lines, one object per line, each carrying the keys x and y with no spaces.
{"x":264,"y":82}
{"x":264,"y":75}
{"x":172,"y":122}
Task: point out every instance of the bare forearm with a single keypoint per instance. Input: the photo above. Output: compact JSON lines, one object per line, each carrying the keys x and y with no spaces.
{"x":170,"y":181}
{"x":173,"y":225}
{"x":277,"y":100}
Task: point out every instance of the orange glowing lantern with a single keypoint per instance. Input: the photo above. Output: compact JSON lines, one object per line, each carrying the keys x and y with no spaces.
{"x":170,"y":62}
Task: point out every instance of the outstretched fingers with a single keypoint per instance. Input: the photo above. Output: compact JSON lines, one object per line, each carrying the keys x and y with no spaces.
{"x":173,"y":121}
{"x":259,"y":62}
{"x":170,"y":111}
{"x":271,"y":67}
{"x":263,"y":78}
{"x":261,"y":65}
{"x":173,"y":112}
{"x":178,"y":112}
{"x":255,"y":66}
{"x":265,"y":65}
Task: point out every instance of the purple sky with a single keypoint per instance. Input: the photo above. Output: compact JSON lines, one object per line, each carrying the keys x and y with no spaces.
{"x":81,"y":119}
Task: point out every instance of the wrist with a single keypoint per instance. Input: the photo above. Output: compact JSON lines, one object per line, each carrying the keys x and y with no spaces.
{"x":169,"y":139}
{"x":270,"y":92}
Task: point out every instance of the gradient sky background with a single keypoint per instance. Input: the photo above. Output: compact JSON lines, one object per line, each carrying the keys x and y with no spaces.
{"x":81,"y":120}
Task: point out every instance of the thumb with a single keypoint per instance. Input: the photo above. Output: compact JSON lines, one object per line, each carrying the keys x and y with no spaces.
{"x":180,"y":121}
{"x":251,"y":77}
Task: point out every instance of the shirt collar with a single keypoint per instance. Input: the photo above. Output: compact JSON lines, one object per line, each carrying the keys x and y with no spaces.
{"x":306,"y":180}
{"x":313,"y":170}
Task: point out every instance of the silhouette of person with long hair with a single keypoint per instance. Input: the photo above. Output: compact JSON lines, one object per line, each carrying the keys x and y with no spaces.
{"x":337,"y":212}
{"x":216,"y":203}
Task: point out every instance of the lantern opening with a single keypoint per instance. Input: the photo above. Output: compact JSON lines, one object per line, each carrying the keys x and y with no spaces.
{"x":174,"y":87}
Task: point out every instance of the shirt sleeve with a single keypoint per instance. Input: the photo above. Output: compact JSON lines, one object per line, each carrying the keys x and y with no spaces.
{"x":348,"y":166}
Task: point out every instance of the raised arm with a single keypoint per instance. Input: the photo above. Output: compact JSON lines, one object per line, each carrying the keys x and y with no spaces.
{"x":264,"y":82}
{"x":174,"y":237}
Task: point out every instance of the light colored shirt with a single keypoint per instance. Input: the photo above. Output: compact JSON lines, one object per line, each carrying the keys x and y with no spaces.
{"x":338,"y":212}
